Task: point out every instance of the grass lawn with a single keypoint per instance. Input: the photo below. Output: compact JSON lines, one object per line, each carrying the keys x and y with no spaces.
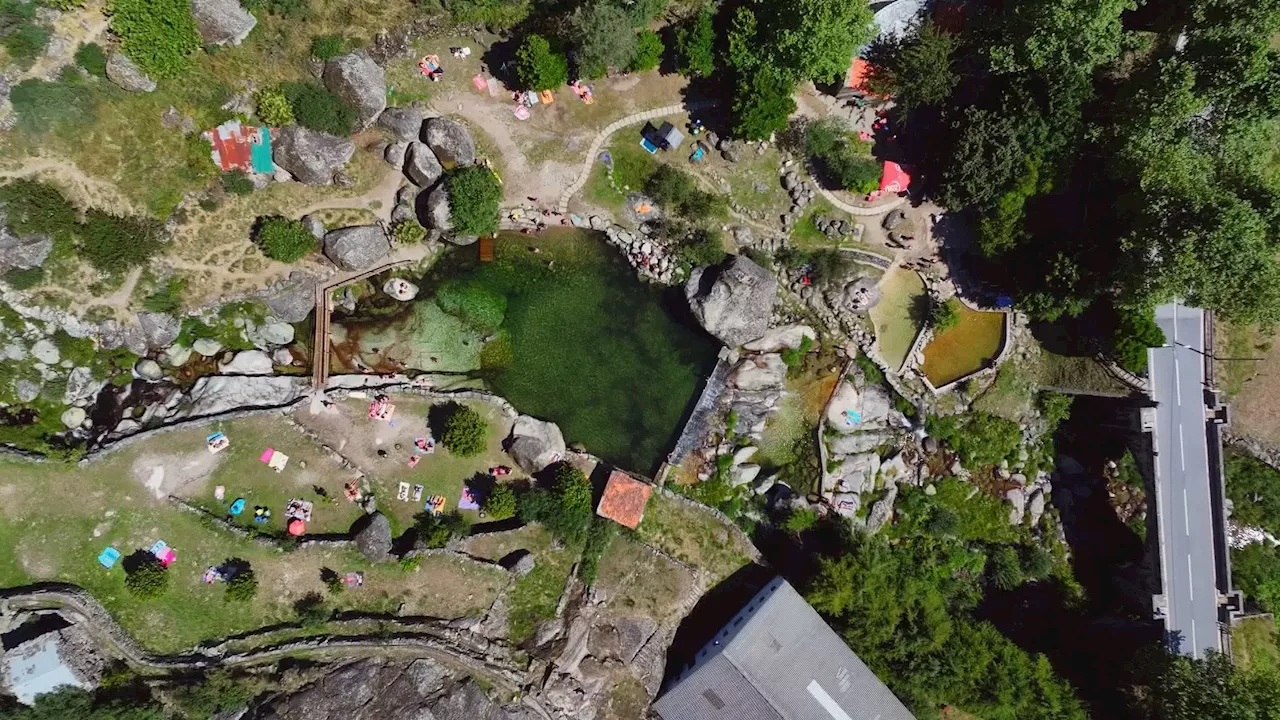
{"x":1011,"y":394}
{"x":348,"y":429}
{"x":894,"y":316}
{"x":1253,"y":644}
{"x":534,"y":597}
{"x":56,"y":519}
{"x":1081,"y":373}
{"x":636,"y":582}
{"x":632,"y":166}
{"x":694,"y":537}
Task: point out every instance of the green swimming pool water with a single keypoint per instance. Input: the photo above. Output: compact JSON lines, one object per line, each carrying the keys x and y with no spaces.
{"x":964,"y":349}
{"x":560,"y":326}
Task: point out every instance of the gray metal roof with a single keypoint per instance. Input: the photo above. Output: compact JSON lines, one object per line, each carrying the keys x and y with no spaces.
{"x":778,"y":660}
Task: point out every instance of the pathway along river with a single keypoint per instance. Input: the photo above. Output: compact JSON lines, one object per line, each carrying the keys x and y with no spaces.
{"x":559,"y":325}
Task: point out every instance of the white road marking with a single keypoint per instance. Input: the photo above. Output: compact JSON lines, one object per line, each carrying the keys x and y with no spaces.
{"x":827,"y":702}
{"x":1191,"y":584}
{"x":1182,"y":452}
{"x":1177,"y":377}
{"x":1195,"y":647}
{"x":1186,"y":512}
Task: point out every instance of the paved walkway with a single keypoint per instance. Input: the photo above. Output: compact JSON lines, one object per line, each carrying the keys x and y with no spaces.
{"x":613,"y":127}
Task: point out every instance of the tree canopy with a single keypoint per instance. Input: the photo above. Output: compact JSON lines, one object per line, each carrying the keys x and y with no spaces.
{"x":538,"y":66}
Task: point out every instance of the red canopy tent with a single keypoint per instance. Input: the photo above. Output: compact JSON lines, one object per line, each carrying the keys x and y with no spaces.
{"x":297,"y":527}
{"x":894,"y":179}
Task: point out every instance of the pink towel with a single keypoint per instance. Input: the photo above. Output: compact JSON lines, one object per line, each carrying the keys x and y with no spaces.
{"x":266,"y":455}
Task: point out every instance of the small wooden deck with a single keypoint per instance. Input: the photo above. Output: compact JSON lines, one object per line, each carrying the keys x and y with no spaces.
{"x":486,"y":248}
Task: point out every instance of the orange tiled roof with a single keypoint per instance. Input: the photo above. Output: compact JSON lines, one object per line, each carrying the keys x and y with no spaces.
{"x":624,"y":499}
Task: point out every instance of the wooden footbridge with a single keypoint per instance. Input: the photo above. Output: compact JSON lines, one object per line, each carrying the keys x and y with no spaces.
{"x":321,"y":355}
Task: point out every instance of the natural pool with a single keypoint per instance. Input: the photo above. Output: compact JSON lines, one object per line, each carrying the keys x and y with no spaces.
{"x":559,"y":325}
{"x":968,"y":347}
{"x":896,"y":315}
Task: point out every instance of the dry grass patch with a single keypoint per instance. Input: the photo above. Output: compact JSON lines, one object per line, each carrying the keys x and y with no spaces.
{"x":637,"y":581}
{"x":693,"y":536}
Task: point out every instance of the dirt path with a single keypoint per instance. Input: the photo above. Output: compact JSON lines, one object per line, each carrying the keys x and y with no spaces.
{"x":87,"y":190}
{"x":384,"y":192}
{"x":85,"y":25}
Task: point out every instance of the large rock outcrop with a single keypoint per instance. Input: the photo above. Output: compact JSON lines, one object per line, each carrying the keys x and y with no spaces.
{"x":436,"y":209}
{"x":310,"y":156}
{"x":218,"y":394}
{"x":373,"y":539}
{"x":534,"y":444}
{"x":422,"y":166}
{"x":160,"y":329}
{"x":386,"y":689}
{"x":295,"y":300}
{"x":360,"y":81}
{"x":126,"y":75}
{"x":451,"y":141}
{"x":222,"y":22}
{"x":405,"y":123}
{"x":733,"y":301}
{"x":22,"y":252}
{"x":356,"y":248}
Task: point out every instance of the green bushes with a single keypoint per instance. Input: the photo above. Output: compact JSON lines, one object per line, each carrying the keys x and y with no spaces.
{"x":495,"y":14}
{"x":797,"y":521}
{"x":92,"y":58}
{"x":312,"y":610}
{"x":538,"y":66}
{"x":695,"y":45}
{"x":327,"y":47}
{"x":43,"y":106}
{"x":1136,"y":331}
{"x":118,"y":244}
{"x":24,"y":278}
{"x":158,"y":35}
{"x":237,"y":183}
{"x":465,"y":433}
{"x":678,"y":192}
{"x":243,"y":585}
{"x":474,"y":304}
{"x":565,"y":510}
{"x":148,"y":579}
{"x":1254,"y":489}
{"x":842,"y":157}
{"x":474,"y":199}
{"x":794,"y":357}
{"x":500,"y":504}
{"x":648,"y":54}
{"x":599,"y":537}
{"x":979,"y":438}
{"x":702,"y":247}
{"x":167,"y":298}
{"x":283,"y":239}
{"x":273,"y":107}
{"x":217,"y":692}
{"x":318,"y":109}
{"x":944,"y":315}
{"x":762,"y":103}
{"x":25,"y":43}
{"x":34,"y":208}
{"x":407,"y":232}
{"x":435,"y":531}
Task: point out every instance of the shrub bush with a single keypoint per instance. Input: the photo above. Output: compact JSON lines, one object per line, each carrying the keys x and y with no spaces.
{"x":312,"y":610}
{"x":980,"y":439}
{"x":703,"y":247}
{"x":318,"y":109}
{"x":158,"y":35}
{"x":217,"y":692}
{"x":474,"y":198}
{"x":407,"y":232}
{"x":42,"y":105}
{"x":435,"y":531}
{"x":944,"y":315}
{"x":798,"y":521}
{"x":649,"y":49}
{"x":92,"y":58}
{"x":148,"y":579}
{"x":678,"y":192}
{"x":24,"y":279}
{"x":118,"y":244}
{"x":599,"y":537}
{"x":839,"y":154}
{"x":284,"y":239}
{"x":566,"y":509}
{"x":465,"y":432}
{"x":25,"y":43}
{"x":501,"y":503}
{"x":538,"y":66}
{"x":273,"y":107}
{"x":237,"y":183}
{"x":1136,"y":331}
{"x":34,"y":208}
{"x":495,"y":14}
{"x":327,"y":47}
{"x":166,"y":298}
{"x":243,"y":585}
{"x":1005,"y":568}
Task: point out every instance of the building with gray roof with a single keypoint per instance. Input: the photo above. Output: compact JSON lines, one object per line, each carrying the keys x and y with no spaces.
{"x":778,"y":660}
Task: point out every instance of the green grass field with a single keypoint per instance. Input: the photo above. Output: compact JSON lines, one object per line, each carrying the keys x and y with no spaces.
{"x":693,"y":536}
{"x":632,"y":166}
{"x":56,"y":519}
{"x":1253,"y":644}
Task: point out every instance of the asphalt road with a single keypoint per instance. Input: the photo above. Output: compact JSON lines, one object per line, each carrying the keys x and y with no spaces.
{"x":1182,"y":475}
